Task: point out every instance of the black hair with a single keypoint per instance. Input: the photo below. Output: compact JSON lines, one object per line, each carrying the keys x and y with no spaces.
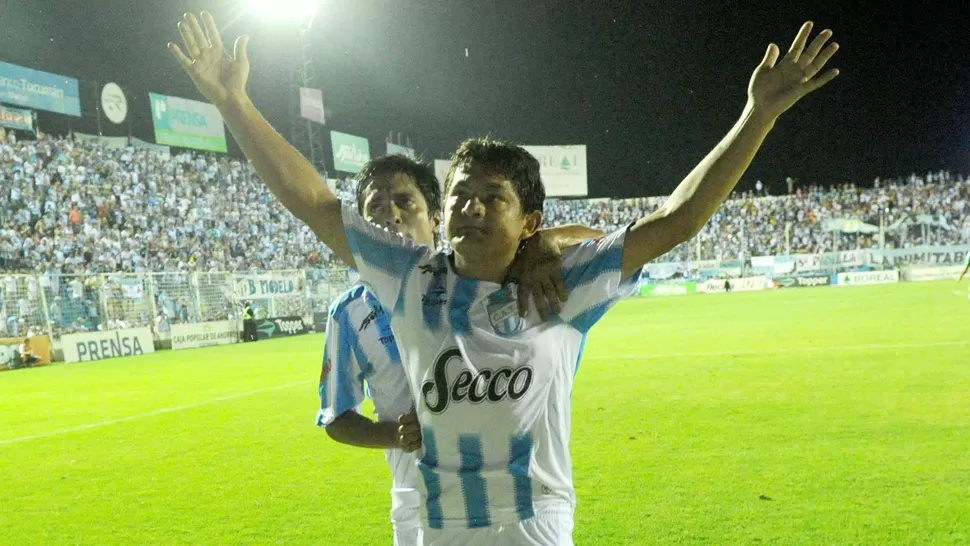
{"x":391,"y":164}
{"x":505,"y":159}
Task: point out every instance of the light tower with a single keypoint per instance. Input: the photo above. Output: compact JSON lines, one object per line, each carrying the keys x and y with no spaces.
{"x":306,"y":135}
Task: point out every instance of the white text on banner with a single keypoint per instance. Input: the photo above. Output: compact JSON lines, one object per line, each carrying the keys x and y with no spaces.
{"x":204,"y":334}
{"x":110,"y":344}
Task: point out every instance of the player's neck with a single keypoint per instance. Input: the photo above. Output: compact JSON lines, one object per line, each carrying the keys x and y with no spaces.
{"x":481,"y":268}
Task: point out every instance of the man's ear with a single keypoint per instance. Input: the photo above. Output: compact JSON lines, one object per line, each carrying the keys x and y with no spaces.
{"x":532,"y":222}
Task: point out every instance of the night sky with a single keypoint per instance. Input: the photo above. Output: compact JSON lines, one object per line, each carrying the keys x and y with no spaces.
{"x":649,"y":87}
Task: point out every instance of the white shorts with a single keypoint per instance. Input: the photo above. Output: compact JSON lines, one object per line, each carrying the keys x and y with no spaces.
{"x":406,"y":517}
{"x":552,"y":529}
{"x":408,"y":536}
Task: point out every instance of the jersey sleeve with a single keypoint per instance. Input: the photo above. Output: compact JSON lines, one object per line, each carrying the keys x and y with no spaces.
{"x":341,"y":380}
{"x":384,"y":259}
{"x":591,"y":273}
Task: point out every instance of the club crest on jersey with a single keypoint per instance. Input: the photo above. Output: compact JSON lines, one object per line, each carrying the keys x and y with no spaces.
{"x":503,"y":311}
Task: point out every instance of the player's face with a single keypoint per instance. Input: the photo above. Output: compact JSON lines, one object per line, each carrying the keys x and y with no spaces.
{"x":396,"y":203}
{"x":484,"y":218}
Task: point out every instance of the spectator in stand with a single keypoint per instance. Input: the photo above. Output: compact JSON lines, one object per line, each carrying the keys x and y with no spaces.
{"x":76,"y":207}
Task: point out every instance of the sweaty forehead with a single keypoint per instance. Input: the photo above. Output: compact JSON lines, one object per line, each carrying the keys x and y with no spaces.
{"x":474,"y":176}
{"x":393,"y":184}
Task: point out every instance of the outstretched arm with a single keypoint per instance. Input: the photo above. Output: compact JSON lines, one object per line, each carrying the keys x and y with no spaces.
{"x":291,"y":178}
{"x":774,"y":87}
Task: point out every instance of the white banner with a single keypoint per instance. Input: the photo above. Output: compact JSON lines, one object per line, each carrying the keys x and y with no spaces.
{"x":441,"y":168}
{"x":868,"y":277}
{"x":101,"y":345}
{"x":950,"y":273}
{"x":563,"y":169}
{"x":830,"y":260}
{"x":311,"y":105}
{"x":705,"y":264}
{"x":110,"y":143}
{"x":204,"y":334}
{"x":745,"y":284}
{"x":924,"y":254}
{"x":140,"y":144}
{"x":269,"y":285}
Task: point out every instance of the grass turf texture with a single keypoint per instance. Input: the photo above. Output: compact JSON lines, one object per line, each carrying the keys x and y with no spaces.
{"x":803,"y":416}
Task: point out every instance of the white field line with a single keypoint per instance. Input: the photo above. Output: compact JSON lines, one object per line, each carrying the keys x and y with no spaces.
{"x":151,"y":413}
{"x":743,"y":352}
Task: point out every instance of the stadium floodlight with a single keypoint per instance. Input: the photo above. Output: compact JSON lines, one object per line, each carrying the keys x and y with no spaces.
{"x":300,"y":10}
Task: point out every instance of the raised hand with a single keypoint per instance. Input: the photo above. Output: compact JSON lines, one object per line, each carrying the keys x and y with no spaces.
{"x":777,"y":85}
{"x":218,"y":76}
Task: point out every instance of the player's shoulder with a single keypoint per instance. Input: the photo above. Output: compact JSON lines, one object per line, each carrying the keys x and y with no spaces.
{"x":606,"y":249}
{"x":357,"y":301}
{"x":353,"y":297}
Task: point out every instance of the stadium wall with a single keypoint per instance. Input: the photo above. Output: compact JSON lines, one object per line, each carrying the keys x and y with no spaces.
{"x":181,"y":310}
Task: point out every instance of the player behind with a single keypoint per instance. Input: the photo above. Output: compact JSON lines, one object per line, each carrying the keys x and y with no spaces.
{"x":494,"y":389}
{"x":403,"y":196}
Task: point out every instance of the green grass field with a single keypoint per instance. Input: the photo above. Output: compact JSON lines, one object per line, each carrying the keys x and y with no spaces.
{"x":805,"y":416}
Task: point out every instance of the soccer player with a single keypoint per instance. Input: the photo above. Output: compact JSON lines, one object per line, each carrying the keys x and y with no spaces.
{"x":493,"y":388}
{"x":404,"y":197}
{"x":964,"y":272}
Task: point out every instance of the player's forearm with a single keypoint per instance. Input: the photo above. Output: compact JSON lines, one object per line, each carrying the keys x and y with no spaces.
{"x":707,"y":186}
{"x":354,"y":429}
{"x":291,"y":178}
{"x":572,"y":234}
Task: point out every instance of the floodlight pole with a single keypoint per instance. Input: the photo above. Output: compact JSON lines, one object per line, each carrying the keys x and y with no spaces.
{"x":307,"y":136}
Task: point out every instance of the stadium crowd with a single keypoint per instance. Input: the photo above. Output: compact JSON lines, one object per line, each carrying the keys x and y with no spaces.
{"x":69,"y":206}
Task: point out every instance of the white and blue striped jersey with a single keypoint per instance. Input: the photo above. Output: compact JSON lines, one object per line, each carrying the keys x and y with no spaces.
{"x":492,"y":389}
{"x":361,"y":356}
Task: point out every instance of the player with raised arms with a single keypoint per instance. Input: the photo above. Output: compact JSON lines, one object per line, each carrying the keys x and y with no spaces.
{"x":493,"y":388}
{"x":403,"y":196}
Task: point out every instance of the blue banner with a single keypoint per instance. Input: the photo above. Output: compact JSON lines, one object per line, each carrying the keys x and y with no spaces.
{"x":40,"y":90}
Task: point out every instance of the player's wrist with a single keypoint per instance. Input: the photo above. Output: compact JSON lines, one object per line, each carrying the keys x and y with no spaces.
{"x":234,"y":101}
{"x":389,"y":434}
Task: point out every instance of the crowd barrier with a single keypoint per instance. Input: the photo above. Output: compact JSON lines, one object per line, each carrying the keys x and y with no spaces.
{"x":80,"y":318}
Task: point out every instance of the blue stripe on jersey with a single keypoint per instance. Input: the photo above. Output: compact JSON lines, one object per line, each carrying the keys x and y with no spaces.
{"x":582,"y":347}
{"x":432,"y":482}
{"x":345,"y":299}
{"x":584,"y":273}
{"x":520,"y":450}
{"x":472,"y":482}
{"x":345,"y":389}
{"x":585,"y":320}
{"x":349,"y":333}
{"x":388,"y":257}
{"x":409,"y":269}
{"x":383,"y":324}
{"x":460,"y":305}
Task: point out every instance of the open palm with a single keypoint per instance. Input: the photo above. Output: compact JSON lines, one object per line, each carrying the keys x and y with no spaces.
{"x":777,"y":85}
{"x":218,"y":76}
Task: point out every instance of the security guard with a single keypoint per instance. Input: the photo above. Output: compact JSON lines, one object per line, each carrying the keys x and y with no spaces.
{"x":249,"y":322}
